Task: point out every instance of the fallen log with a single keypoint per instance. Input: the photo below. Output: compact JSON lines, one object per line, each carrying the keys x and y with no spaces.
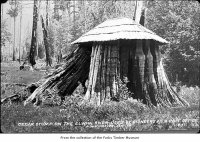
{"x":64,"y":80}
{"x":18,"y":84}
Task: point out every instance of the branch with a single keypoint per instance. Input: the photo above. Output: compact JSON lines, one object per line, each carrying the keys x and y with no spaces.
{"x":94,"y":16}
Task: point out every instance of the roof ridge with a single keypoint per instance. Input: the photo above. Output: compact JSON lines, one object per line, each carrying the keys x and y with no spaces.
{"x":119,"y":18}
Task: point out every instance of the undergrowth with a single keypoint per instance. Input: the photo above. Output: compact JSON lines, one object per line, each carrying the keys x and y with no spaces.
{"x":190,"y":94}
{"x":75,"y":116}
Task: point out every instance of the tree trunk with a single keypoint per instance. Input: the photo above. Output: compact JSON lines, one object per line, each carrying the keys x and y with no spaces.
{"x":20,"y":36}
{"x":10,"y":46}
{"x":134,"y":15}
{"x":59,"y":52}
{"x":46,"y":44}
{"x":45,"y":36}
{"x":84,"y":5}
{"x":59,"y":55}
{"x":37,"y":43}
{"x":47,"y":14}
{"x":142,"y":18}
{"x":14,"y":41}
{"x":1,"y":12}
{"x":74,"y":14}
{"x":33,"y":40}
{"x":1,"y":59}
{"x":138,"y":11}
{"x":56,"y":7}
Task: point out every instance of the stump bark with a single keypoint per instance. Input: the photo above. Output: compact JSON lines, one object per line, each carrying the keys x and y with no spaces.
{"x":104,"y":69}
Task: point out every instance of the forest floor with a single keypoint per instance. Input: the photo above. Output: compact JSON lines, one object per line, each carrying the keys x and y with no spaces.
{"x":129,"y":115}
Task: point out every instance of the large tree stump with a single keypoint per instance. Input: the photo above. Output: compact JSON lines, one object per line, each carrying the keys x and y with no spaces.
{"x":139,"y":61}
{"x":103,"y":63}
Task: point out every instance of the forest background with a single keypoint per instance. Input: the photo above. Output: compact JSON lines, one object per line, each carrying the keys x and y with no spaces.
{"x":176,"y":21}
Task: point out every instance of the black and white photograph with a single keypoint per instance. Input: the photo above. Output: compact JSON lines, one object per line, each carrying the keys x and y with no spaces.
{"x":100,"y":67}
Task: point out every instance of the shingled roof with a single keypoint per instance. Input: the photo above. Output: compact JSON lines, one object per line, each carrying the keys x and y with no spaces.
{"x":118,"y":28}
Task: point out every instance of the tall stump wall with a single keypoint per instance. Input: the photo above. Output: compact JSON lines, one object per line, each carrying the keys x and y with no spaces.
{"x":139,"y":61}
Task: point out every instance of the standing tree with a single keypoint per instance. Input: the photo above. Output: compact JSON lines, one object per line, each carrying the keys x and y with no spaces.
{"x":47,"y":16}
{"x":5,"y":35}
{"x":34,"y":38}
{"x":63,"y":35}
{"x":74,"y":12}
{"x":13,"y":12}
{"x":84,"y":9}
{"x":134,"y":17}
{"x":46,"y":44}
{"x":37,"y":48}
{"x":20,"y":34}
{"x":74,"y":30}
{"x":45,"y":36}
{"x":1,"y":11}
{"x":56,"y":12}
